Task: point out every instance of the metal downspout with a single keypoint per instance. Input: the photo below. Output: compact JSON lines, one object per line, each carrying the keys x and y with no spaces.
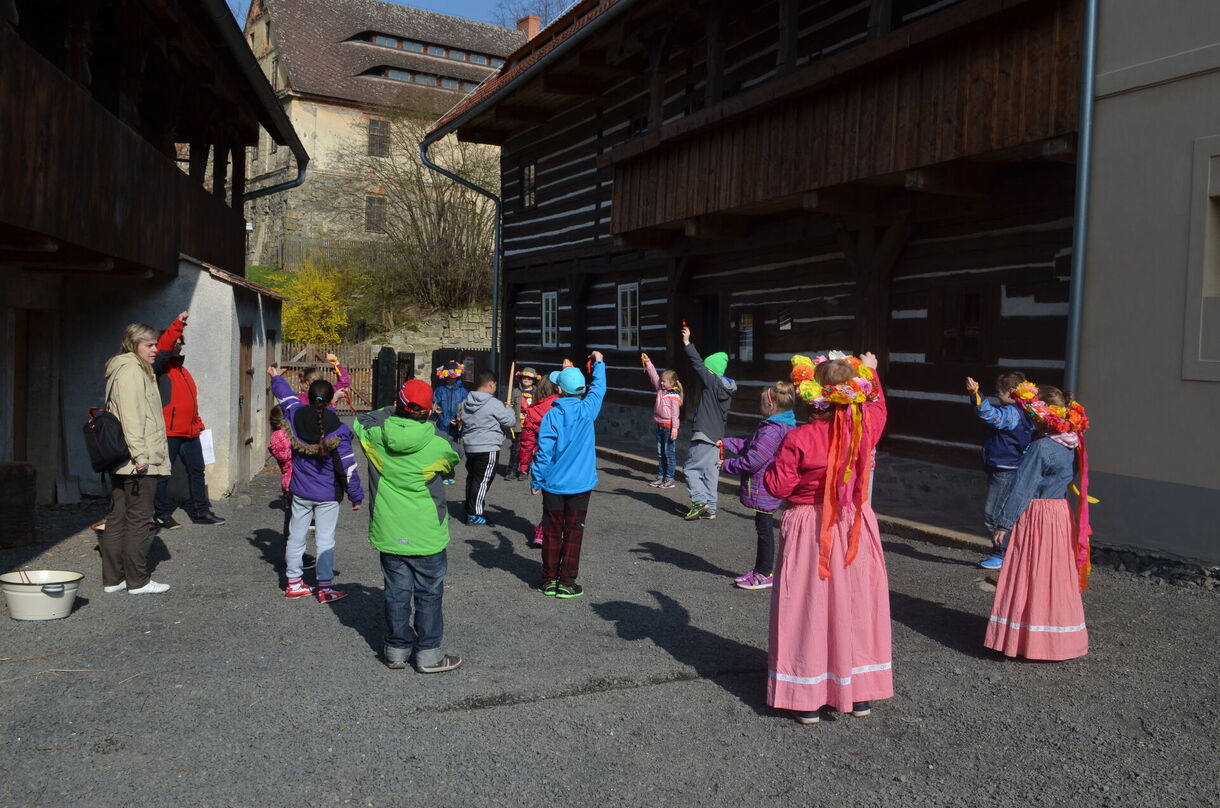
{"x":1080,"y":216}
{"x":424,"y":145}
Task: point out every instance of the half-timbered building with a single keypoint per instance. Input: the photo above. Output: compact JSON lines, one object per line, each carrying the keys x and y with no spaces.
{"x":789,"y":176}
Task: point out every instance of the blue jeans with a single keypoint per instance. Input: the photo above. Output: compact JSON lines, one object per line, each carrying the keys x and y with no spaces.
{"x":325,"y":516}
{"x":191,"y":452}
{"x":418,"y":581}
{"x":999,"y":486}
{"x":667,"y":453}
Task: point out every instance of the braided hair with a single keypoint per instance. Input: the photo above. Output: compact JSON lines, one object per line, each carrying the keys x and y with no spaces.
{"x":321,"y":393}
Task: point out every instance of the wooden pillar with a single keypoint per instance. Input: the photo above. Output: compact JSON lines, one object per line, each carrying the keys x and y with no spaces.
{"x":714,"y":85}
{"x":220,"y":167}
{"x":789,"y":29}
{"x":239,"y":176}
{"x":873,"y":256}
{"x":198,"y":161}
{"x":578,"y":294}
{"x":880,"y":18}
{"x":658,"y":60}
{"x":679,"y":271}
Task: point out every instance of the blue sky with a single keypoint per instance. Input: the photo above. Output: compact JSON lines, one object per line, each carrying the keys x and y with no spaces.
{"x":473,"y":9}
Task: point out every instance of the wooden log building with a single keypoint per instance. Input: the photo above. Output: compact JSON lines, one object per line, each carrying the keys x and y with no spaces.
{"x":789,"y":176}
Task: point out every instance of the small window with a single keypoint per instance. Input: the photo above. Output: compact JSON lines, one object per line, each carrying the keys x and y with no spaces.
{"x":628,"y":316}
{"x":529,"y":180}
{"x":469,"y":86}
{"x":459,"y":55}
{"x":550,"y":319}
{"x":274,"y":148}
{"x":963,"y":317}
{"x":746,"y":336}
{"x":374,"y":214}
{"x":275,"y":73}
{"x":434,"y":50}
{"x":496,"y":61}
{"x":414,"y":47}
{"x":385,"y":41}
{"x":425,"y":79}
{"x":379,"y":138}
{"x":478,"y":59}
{"x":638,"y":126}
{"x":451,"y":84}
{"x":398,"y":75}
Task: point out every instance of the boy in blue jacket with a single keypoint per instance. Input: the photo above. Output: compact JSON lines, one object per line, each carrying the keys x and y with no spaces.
{"x":1009,"y":432}
{"x":565,"y":472}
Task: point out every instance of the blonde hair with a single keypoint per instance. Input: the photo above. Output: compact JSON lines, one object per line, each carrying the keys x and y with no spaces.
{"x":778,"y":398}
{"x":671,"y":376}
{"x":836,"y":371}
{"x":134,"y":334}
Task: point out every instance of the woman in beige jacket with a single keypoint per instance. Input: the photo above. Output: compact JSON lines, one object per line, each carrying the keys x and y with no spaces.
{"x":131,"y":395}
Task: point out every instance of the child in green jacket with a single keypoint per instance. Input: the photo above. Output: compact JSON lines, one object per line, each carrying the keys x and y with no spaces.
{"x":410,"y":527}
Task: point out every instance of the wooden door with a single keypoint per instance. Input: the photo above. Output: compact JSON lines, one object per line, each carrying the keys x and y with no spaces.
{"x":246,"y":374}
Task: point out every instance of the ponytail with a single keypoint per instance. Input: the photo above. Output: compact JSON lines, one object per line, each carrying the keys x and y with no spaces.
{"x":321,"y":393}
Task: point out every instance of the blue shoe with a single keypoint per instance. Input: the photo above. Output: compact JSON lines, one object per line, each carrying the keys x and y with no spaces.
{"x":474,"y":519}
{"x":449,"y":481}
{"x":992,"y":562}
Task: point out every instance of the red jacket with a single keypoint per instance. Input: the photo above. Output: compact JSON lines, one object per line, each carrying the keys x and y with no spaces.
{"x":179,"y":394}
{"x":529,"y":430}
{"x":799,"y":471}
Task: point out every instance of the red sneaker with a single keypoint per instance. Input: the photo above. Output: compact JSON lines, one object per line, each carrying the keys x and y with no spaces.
{"x":297,"y":590}
{"x":328,"y":595}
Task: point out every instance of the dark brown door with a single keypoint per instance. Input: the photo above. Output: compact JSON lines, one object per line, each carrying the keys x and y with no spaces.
{"x":244,"y":403}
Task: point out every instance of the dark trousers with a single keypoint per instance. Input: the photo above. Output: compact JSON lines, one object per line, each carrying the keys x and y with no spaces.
{"x":764,"y":559}
{"x":419,"y":582}
{"x":563,"y":529}
{"x":480,"y":471}
{"x":191,"y":453}
{"x":129,"y":530}
{"x":514,"y":465}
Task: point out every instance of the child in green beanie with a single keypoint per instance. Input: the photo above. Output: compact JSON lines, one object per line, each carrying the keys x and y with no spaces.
{"x":703,"y":456}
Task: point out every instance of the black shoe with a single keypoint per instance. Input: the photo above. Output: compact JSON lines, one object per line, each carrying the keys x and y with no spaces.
{"x":566,"y":591}
{"x":168,"y":523}
{"x":861,"y":708}
{"x":207,"y":519}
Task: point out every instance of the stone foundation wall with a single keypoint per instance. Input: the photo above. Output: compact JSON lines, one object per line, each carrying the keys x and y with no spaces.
{"x":465,"y":328}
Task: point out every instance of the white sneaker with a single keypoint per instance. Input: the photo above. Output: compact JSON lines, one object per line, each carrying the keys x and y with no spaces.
{"x":150,"y":588}
{"x":119,"y":587}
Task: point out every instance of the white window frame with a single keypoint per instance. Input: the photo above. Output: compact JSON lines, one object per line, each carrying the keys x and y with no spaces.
{"x":628,"y":311}
{"x":550,"y":319}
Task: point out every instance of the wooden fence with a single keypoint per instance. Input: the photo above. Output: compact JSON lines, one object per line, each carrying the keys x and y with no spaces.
{"x":296,"y":357}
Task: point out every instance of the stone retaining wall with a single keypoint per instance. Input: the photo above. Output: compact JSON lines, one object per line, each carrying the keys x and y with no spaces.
{"x":463,"y":328}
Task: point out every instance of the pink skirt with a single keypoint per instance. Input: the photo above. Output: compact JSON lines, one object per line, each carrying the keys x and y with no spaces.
{"x":1038,"y":613}
{"x":830,"y":638}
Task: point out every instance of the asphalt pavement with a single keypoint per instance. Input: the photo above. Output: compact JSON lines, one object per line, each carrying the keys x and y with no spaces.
{"x":649,"y":690}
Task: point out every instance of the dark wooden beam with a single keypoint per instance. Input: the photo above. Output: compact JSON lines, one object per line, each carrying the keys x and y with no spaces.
{"x":198,"y":160}
{"x":714,"y":86}
{"x":789,"y":32}
{"x":954,"y":179}
{"x":523,"y":114}
{"x":239,"y":176}
{"x":880,"y":18}
{"x":220,"y":167}
{"x":575,"y":86}
{"x":482,"y":136}
{"x":595,"y":61}
{"x":645,"y":240}
{"x":851,"y":199}
{"x":658,"y":46}
{"x":718,"y":226}
{"x":872,"y":254}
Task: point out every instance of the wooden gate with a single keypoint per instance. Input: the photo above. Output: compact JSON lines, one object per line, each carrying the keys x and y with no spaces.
{"x":296,"y":357}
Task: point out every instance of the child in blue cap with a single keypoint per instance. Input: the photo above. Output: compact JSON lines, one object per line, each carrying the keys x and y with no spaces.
{"x":564,"y":471}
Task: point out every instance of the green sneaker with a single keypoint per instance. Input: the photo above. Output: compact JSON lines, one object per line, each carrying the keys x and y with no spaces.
{"x":566,"y":591}
{"x":697,"y":510}
{"x":547,"y":587}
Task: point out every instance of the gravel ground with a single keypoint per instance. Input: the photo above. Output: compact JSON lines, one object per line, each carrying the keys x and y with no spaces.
{"x":649,"y":690}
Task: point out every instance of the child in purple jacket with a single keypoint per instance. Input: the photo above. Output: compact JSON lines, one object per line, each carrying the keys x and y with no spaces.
{"x":755,"y":455}
{"x":323,"y":469}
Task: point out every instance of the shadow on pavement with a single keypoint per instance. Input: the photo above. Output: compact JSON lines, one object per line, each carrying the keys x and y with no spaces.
{"x":738,"y":668}
{"x":270,"y":545}
{"x":503,"y":556}
{"x":911,"y":552}
{"x":363,"y":611}
{"x":952,"y":628}
{"x":666,"y":505}
{"x":157,"y":552}
{"x":509,"y":520}
{"x":655,"y":551}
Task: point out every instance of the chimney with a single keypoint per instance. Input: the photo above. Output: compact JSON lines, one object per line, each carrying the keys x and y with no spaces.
{"x":530,"y":26}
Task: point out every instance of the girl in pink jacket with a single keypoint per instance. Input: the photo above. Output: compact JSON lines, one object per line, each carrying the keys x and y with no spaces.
{"x":666,"y":413}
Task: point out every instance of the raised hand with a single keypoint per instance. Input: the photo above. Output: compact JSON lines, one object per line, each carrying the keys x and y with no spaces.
{"x":272,"y":371}
{"x":330,"y":357}
{"x":643,"y":359}
{"x":685,"y":334}
{"x":971,"y":385}
{"x":596,"y":356}
{"x":869,"y":359}
{"x":184,"y":315}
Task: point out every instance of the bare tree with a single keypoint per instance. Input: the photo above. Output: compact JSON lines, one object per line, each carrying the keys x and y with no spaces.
{"x":507,"y":12}
{"x":436,"y":249}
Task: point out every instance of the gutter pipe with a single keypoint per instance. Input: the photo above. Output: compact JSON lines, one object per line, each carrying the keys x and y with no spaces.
{"x":231,"y":34}
{"x":605,"y":18}
{"x":1084,"y":167}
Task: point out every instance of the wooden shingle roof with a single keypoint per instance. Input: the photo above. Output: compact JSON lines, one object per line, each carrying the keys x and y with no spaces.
{"x":322,"y":52}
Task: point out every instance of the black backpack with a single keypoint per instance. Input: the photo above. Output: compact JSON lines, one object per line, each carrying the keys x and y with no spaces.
{"x":105,"y":440}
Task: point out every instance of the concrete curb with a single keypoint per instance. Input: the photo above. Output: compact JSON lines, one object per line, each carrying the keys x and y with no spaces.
{"x":895,"y":525}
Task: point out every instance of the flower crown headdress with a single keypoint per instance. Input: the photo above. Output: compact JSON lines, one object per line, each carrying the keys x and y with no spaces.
{"x":857,"y":390}
{"x":1054,"y":418}
{"x":451,"y":373}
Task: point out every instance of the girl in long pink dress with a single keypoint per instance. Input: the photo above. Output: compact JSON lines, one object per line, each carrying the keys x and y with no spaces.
{"x":830,"y":607}
{"x":1038,"y":612}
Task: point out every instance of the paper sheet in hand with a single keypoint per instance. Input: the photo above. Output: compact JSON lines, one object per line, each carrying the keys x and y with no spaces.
{"x":205,"y":444}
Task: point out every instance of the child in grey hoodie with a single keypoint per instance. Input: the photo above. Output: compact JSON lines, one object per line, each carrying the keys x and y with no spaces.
{"x":484,"y":421}
{"x":702,"y":466}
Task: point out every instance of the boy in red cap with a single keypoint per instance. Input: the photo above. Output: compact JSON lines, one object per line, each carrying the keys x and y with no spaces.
{"x":410,"y":527}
